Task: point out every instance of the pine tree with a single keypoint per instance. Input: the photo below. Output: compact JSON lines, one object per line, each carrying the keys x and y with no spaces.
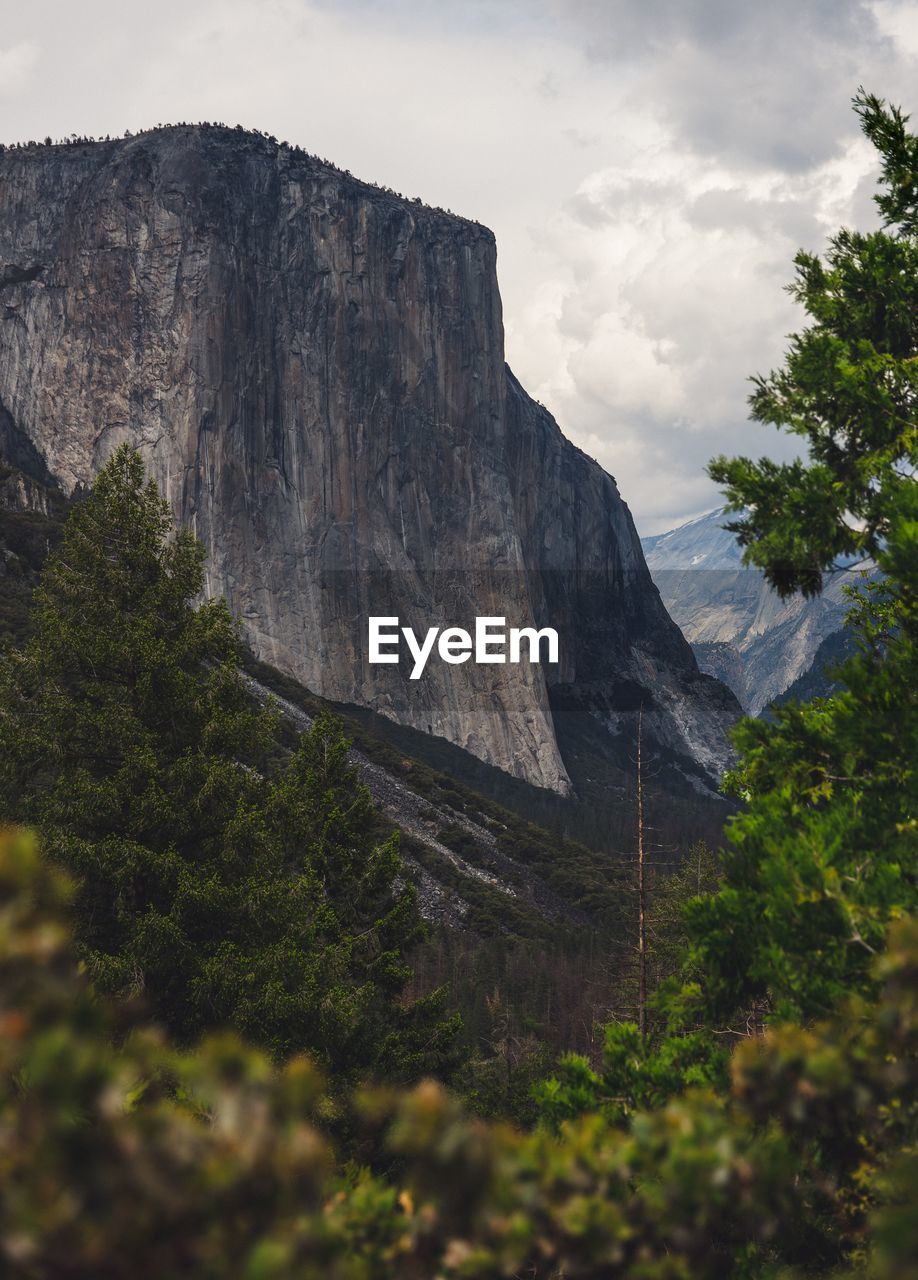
{"x":368,"y":922}
{"x":826,"y":852}
{"x":848,"y":389}
{"x":224,"y":891}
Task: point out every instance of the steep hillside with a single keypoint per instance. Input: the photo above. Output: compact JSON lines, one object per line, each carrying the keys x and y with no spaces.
{"x":818,"y":680}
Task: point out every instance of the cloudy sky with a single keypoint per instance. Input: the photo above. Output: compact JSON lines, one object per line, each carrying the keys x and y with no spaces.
{"x":649,"y":167}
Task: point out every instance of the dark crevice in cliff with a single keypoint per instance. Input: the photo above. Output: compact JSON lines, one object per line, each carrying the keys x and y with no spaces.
{"x":19,"y":275}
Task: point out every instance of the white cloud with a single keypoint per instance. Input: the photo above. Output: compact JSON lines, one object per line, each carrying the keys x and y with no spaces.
{"x":675,"y":300}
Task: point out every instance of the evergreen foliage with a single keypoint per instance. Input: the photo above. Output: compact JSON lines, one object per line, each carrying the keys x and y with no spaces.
{"x":125,"y":1158}
{"x":824,"y":854}
{"x":849,"y":389}
{"x":227,"y":890}
{"x":637,"y":1072}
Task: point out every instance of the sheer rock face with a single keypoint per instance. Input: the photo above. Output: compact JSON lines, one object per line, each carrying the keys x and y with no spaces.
{"x":313,"y":369}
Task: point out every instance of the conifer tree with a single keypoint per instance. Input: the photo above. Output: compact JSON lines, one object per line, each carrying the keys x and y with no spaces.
{"x":222,"y":889}
{"x":826,"y":852}
{"x":848,"y":389}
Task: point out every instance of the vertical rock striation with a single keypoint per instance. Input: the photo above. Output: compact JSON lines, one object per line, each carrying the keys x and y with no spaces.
{"x":314,"y":370}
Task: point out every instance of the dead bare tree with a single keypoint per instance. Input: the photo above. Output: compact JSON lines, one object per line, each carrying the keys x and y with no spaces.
{"x":641,"y":886}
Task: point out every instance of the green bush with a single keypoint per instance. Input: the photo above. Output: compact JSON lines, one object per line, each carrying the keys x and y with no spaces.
{"x":124,"y":1157}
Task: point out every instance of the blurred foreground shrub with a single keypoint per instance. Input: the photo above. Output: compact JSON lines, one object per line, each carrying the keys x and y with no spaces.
{"x":121,"y":1156}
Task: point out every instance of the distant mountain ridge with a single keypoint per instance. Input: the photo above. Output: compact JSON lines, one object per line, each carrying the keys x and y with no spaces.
{"x":701,"y":543}
{"x":741,"y":631}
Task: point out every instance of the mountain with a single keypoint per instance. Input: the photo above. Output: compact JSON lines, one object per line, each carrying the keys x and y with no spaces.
{"x":742,"y":632}
{"x":818,"y":681}
{"x":313,"y":369}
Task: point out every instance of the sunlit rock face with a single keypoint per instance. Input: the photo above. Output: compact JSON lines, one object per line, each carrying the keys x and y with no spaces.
{"x":314,"y":370}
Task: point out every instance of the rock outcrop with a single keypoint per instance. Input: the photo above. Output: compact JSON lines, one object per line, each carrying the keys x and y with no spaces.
{"x":314,"y":370}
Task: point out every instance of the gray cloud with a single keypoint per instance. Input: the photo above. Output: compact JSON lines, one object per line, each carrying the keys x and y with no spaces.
{"x":759,"y":84}
{"x":649,"y":169}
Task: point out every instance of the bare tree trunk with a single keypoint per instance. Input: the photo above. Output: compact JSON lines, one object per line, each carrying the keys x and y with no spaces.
{"x":642,"y":903}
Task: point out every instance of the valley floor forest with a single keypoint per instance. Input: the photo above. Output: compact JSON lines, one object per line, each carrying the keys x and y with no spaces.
{"x":216,"y":1056}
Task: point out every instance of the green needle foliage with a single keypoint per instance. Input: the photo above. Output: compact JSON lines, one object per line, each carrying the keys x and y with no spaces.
{"x":849,"y":389}
{"x":225,"y":890}
{"x":825,"y":853}
{"x":637,"y":1073}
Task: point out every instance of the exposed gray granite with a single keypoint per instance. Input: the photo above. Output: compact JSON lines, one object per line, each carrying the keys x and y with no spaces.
{"x":314,"y":370}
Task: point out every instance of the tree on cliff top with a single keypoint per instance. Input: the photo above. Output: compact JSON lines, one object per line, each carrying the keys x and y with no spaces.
{"x":226,"y":891}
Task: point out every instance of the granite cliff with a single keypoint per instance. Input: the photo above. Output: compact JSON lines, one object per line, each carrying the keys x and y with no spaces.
{"x":313,"y":368}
